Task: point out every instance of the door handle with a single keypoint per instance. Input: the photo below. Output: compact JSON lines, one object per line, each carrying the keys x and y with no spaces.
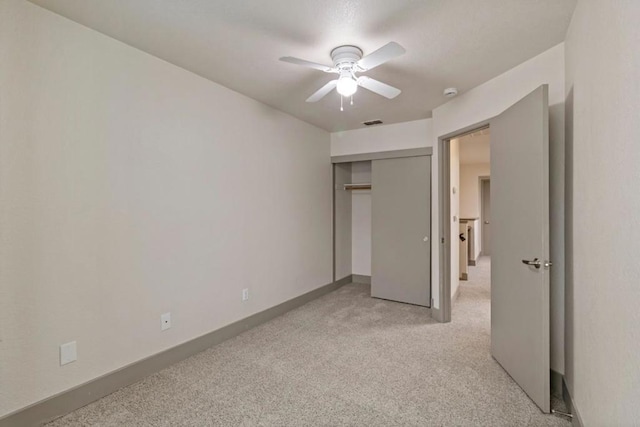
{"x":535,"y":263}
{"x":486,"y":222}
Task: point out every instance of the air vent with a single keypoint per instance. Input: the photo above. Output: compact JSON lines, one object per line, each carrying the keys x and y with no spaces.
{"x":372,"y":122}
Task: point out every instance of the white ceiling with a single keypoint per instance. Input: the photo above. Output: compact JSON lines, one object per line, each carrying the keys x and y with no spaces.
{"x":474,"y":148}
{"x":459,"y":43}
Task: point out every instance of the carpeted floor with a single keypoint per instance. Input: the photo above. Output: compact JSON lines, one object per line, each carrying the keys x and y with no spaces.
{"x":343,"y":359}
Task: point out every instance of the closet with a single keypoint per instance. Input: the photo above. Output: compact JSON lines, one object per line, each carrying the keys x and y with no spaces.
{"x":382,"y":223}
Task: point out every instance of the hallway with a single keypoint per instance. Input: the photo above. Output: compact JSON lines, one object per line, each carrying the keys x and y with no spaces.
{"x":343,"y":359}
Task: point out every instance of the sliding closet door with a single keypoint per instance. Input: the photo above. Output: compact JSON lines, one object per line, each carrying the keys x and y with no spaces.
{"x":401,"y":229}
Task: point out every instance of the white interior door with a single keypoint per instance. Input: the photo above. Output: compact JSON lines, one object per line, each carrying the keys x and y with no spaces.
{"x":520,"y":234}
{"x":400,"y":229}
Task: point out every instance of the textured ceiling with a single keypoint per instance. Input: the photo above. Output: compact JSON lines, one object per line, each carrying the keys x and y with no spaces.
{"x":474,"y":148}
{"x":459,"y":43}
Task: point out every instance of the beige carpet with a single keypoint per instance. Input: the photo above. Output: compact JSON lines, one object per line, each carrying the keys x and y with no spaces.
{"x":344,"y":359}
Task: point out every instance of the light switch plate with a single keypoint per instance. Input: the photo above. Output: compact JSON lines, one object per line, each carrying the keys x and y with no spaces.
{"x":68,"y":353}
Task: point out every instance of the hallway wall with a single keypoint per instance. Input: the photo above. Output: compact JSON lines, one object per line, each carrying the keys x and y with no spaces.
{"x":470,"y":188}
{"x":454,"y":194}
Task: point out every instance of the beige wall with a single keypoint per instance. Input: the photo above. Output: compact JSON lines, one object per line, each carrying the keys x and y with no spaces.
{"x":470,"y":206}
{"x":470,"y":188}
{"x":603,"y":226}
{"x":130,"y":187}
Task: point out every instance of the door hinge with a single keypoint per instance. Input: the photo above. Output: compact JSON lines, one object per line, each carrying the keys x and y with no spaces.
{"x":442,"y":240}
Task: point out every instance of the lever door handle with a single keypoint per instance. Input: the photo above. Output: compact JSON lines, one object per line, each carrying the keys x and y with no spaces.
{"x":535,"y":263}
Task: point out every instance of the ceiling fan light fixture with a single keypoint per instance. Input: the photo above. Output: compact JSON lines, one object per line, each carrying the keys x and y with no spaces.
{"x":346,"y":86}
{"x":347,"y":62}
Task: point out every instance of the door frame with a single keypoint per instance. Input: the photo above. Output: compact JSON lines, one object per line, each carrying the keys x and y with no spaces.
{"x":480,"y":192}
{"x":443,"y":314}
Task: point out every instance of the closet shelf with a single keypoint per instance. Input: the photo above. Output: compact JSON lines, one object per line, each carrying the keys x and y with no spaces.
{"x":361,"y":186}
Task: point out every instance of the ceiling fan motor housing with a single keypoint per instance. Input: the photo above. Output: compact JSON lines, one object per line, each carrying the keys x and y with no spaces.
{"x":346,"y":57}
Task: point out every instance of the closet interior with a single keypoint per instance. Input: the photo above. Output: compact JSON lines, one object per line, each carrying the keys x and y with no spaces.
{"x":382,"y":225}
{"x":353,"y":220}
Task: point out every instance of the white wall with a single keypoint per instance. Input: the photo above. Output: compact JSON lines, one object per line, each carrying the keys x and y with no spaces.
{"x":399,"y":136}
{"x":490,"y":99}
{"x":343,"y":220}
{"x":470,"y":188}
{"x":454,"y":192}
{"x":603,"y":225}
{"x":361,"y":220}
{"x":130,"y":187}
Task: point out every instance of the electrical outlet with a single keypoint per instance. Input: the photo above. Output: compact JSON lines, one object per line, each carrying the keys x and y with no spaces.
{"x":245,"y":294}
{"x":68,"y":353}
{"x":165,"y":321}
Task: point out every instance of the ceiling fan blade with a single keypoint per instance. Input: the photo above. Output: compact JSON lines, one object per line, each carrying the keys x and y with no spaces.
{"x":378,"y":87}
{"x":380,"y":56}
{"x":308,"y":64}
{"x":323,"y":91}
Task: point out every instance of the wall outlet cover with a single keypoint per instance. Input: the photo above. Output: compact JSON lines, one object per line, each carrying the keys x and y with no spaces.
{"x":68,"y":353}
{"x":245,"y":294}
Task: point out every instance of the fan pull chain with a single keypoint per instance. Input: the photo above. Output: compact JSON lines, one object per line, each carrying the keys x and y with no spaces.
{"x":351,"y":99}
{"x":341,"y":108}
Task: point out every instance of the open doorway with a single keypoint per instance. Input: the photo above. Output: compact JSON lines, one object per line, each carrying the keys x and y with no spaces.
{"x":517,"y":286}
{"x":469,"y":175}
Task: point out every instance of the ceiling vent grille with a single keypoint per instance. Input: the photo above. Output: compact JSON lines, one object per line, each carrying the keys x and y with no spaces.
{"x":372,"y":122}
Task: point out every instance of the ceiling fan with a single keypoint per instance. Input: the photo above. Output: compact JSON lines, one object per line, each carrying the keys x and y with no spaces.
{"x":347,"y":61}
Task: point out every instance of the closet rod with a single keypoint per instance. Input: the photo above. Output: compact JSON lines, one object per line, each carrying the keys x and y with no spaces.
{"x":363,"y":186}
